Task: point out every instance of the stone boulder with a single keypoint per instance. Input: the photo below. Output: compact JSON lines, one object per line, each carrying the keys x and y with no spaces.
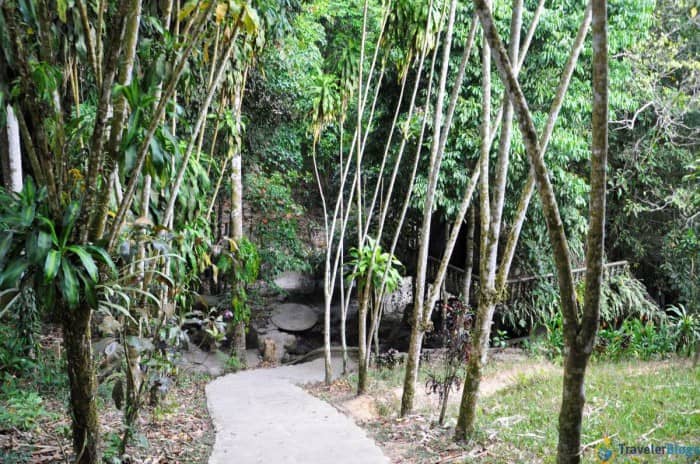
{"x":294,"y":317}
{"x":295,"y":282}
{"x":395,"y":303}
{"x":273,"y":343}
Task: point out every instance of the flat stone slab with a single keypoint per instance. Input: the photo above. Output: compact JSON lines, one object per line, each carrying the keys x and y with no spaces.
{"x":262,"y":417}
{"x":294,"y":317}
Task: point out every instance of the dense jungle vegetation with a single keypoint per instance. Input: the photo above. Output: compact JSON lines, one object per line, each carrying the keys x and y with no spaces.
{"x":154,"y":152}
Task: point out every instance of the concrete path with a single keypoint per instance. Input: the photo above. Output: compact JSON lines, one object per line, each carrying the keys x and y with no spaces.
{"x":261,"y":416}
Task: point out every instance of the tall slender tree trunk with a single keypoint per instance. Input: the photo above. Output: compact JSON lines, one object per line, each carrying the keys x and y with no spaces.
{"x":468,"y":258}
{"x":579,"y":327}
{"x":418,"y":322}
{"x":239,"y":346}
{"x":83,"y":387}
{"x":486,"y":302}
{"x":580,"y":347}
{"x":11,"y":152}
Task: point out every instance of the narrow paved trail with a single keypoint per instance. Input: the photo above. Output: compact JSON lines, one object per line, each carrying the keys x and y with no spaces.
{"x":262,"y":416}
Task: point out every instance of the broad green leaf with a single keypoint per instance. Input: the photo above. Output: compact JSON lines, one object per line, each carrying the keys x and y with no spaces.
{"x":88,"y":288}
{"x":69,"y":218}
{"x":118,"y":308}
{"x":5,"y":243}
{"x":38,"y":245}
{"x":12,"y":273}
{"x":70,"y":288}
{"x":88,"y":262}
{"x":51,"y":265}
{"x":49,"y":223}
{"x":102,"y":255}
{"x":157,"y":156}
{"x":28,"y":214}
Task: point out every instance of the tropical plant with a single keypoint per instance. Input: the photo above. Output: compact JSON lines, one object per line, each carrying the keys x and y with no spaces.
{"x":374,"y":270}
{"x":686,"y":328}
{"x":36,"y":250}
{"x":240,"y":265}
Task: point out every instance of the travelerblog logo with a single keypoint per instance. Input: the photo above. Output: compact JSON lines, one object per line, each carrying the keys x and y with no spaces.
{"x":607,"y":451}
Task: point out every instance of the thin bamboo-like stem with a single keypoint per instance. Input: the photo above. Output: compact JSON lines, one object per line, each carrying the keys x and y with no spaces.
{"x":545,"y":137}
{"x":199,"y":125}
{"x":418,"y":329}
{"x":143,"y":149}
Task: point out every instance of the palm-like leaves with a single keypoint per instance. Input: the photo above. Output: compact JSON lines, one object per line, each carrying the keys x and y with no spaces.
{"x":33,"y":248}
{"x":372,"y":262}
{"x":326,"y":103}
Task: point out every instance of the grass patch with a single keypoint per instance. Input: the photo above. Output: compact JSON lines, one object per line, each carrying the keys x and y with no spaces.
{"x":631,"y":402}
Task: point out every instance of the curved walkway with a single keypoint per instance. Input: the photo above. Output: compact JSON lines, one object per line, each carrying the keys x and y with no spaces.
{"x":261,"y":416}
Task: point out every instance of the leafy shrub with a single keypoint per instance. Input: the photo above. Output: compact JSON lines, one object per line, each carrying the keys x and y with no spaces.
{"x":276,"y":231}
{"x":686,"y":329}
{"x":23,"y":409}
{"x":13,"y":356}
{"x":38,"y":252}
{"x":552,"y":343}
{"x":634,"y":338}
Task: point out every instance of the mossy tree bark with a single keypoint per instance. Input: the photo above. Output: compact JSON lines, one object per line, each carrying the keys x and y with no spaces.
{"x":83,"y":386}
{"x":420,"y":309}
{"x":581,"y":346}
{"x":579,"y":326}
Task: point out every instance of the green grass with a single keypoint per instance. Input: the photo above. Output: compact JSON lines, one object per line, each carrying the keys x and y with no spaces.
{"x":631,"y":402}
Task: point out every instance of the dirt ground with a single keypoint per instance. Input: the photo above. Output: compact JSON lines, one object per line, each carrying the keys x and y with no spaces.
{"x":418,"y":439}
{"x":177,"y":431}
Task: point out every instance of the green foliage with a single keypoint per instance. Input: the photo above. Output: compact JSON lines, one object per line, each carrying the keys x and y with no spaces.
{"x":634,"y":338}
{"x":234,"y":364}
{"x":14,"y":359}
{"x":276,"y":223}
{"x":655,"y":200}
{"x":373,"y":263}
{"x":240,"y":264}
{"x":622,"y":297}
{"x":36,"y":251}
{"x":686,"y":329}
{"x":192,"y":245}
{"x":499,"y":339}
{"x":23,"y":409}
{"x":551,"y":344}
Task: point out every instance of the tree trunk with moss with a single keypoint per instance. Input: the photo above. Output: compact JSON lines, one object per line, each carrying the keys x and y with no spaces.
{"x":83,"y":386}
{"x":418,"y":318}
{"x":581,"y":345}
{"x":239,"y":345}
{"x":579,"y":326}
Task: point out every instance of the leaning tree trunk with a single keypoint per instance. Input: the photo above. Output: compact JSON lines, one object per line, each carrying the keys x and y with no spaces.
{"x":579,"y":335}
{"x":83,"y":387}
{"x":581,"y":346}
{"x":486,"y":302}
{"x":418,"y":323}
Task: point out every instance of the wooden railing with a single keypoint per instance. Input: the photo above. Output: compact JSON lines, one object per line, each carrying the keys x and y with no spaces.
{"x":517,"y":287}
